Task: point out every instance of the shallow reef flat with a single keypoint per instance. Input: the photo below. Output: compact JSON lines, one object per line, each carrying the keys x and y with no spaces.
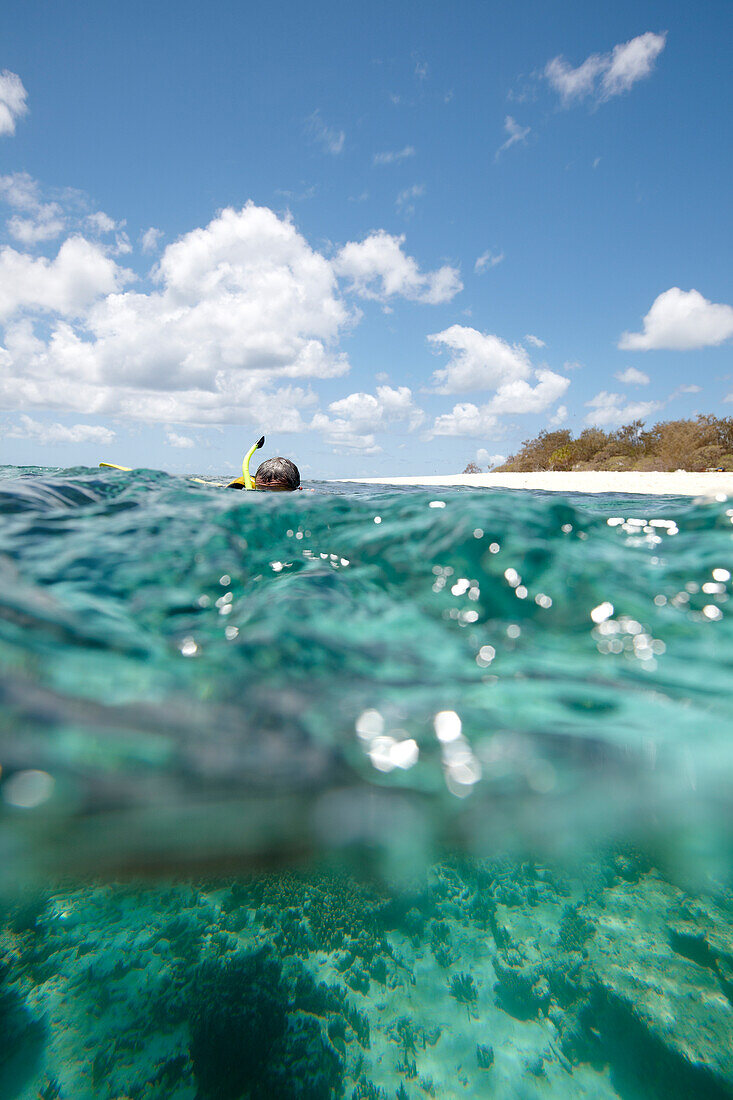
{"x":505,"y":979}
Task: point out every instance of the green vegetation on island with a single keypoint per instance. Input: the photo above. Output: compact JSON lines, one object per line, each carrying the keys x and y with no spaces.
{"x":700,"y":444}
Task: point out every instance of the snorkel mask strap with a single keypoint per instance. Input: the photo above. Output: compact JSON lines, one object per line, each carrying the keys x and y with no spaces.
{"x":248,"y":482}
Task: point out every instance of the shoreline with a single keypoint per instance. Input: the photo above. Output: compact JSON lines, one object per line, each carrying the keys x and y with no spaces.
{"x":627,"y":482}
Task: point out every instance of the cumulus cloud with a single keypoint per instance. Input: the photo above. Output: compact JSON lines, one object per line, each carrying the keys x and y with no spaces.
{"x":184,"y":442}
{"x":150,"y":239}
{"x":632,"y":377}
{"x":379,"y":269}
{"x":67,"y":285}
{"x":20,"y":190}
{"x":466,"y":419}
{"x":59,"y":433}
{"x":681,"y":320}
{"x":395,"y":156}
{"x":42,"y":218}
{"x":242,"y":306}
{"x":534,"y":341}
{"x":239,"y":318}
{"x":31,"y":231}
{"x":486,"y":261}
{"x":559,"y":416}
{"x":478,"y":361}
{"x":611,"y":409}
{"x":330,"y":139}
{"x":13,"y":104}
{"x":521,"y":397}
{"x":605,"y":75}
{"x":353,"y":420}
{"x":485,"y":459}
{"x":38,"y":221}
{"x":516,"y":134}
{"x":481,"y":361}
{"x":101,"y":223}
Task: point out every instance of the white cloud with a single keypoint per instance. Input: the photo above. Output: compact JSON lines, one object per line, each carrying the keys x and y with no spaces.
{"x":482,"y":361}
{"x":631,"y":61}
{"x":466,"y":419}
{"x":611,"y":409}
{"x":487,"y":260}
{"x":67,"y":285}
{"x":183,"y":441}
{"x":59,"y":433}
{"x":12,"y":101}
{"x":559,"y":416}
{"x":379,"y":269}
{"x":394,"y":157}
{"x":353,"y":420}
{"x":20,"y":191}
{"x":605,"y":75}
{"x":122,"y":244}
{"x":516,"y":133}
{"x":479,"y":361}
{"x":681,"y":320}
{"x":101,"y":223}
{"x":150,"y":239}
{"x":42,"y":221}
{"x":534,"y":341}
{"x":485,"y":459}
{"x":574,"y":83}
{"x":681,"y":391}
{"x":330,"y":139}
{"x":242,"y":306}
{"x":632,"y":377}
{"x":405,"y":201}
{"x":31,"y":231}
{"x":520,"y":397}
{"x":241,"y":315}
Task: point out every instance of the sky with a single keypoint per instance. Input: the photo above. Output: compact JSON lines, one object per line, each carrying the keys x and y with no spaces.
{"x":394,"y":237}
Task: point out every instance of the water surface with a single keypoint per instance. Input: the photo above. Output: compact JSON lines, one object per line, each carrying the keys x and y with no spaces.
{"x":419,"y":791}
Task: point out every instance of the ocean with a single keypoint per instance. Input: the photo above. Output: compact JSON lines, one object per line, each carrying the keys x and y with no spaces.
{"x":363,"y":793}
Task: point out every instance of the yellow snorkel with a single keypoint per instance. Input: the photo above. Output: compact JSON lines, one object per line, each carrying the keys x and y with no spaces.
{"x":246,"y":481}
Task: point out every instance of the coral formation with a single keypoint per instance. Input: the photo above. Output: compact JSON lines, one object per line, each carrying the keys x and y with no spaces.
{"x":463,"y":987}
{"x":484,"y":1056}
{"x":613,"y":985}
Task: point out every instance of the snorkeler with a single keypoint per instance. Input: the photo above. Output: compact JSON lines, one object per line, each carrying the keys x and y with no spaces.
{"x":274,"y":475}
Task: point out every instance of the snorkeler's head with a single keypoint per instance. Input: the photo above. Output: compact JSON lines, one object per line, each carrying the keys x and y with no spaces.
{"x":277,"y":475}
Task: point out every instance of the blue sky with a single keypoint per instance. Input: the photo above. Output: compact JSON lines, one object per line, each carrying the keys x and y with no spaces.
{"x":395,"y":237}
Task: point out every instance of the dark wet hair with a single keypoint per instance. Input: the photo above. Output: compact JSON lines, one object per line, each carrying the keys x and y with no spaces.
{"x":278,"y":471}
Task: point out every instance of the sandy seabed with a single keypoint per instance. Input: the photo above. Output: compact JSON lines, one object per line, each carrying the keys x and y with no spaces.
{"x":681,"y":483}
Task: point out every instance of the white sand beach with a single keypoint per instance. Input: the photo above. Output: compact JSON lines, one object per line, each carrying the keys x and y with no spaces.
{"x":680,"y":483}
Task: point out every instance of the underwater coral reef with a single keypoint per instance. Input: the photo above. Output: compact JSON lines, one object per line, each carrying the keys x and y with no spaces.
{"x":497,"y":978}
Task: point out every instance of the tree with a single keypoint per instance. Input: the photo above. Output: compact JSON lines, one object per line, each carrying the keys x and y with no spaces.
{"x":671,"y":445}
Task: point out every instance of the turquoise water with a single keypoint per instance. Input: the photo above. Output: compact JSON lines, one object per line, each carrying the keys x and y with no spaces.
{"x":362,"y":793}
